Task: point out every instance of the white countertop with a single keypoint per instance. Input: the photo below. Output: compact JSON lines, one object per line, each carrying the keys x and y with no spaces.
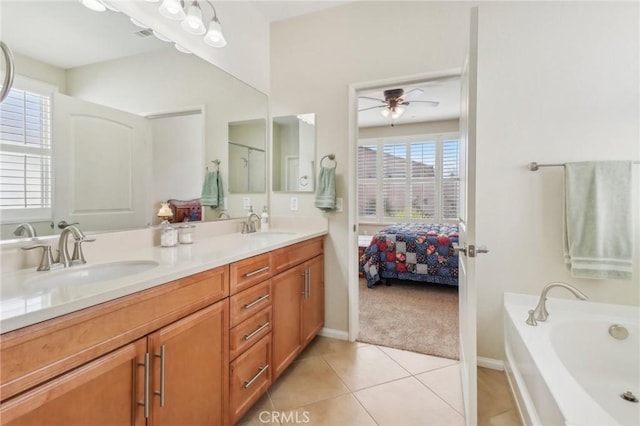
{"x":22,"y":305}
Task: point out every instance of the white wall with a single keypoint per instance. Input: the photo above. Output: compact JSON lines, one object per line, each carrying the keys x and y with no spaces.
{"x":315,"y":58}
{"x":557,"y":82}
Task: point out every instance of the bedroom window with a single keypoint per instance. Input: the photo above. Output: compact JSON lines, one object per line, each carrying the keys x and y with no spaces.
{"x":25,"y":155}
{"x":414,"y":179}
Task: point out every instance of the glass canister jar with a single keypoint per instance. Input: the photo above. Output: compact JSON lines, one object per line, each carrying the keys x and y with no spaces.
{"x":185,"y":233}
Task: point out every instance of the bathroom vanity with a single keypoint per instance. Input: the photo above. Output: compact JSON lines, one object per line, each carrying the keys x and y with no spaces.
{"x":198,"y":349}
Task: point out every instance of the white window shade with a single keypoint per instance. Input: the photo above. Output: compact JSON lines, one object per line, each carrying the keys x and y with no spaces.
{"x":25,"y":154}
{"x":408,"y":179}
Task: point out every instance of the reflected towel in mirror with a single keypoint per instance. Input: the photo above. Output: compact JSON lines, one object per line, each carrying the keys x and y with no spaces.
{"x":212,"y":190}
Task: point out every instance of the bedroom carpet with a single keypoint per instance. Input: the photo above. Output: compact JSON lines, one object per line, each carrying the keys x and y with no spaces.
{"x":417,"y":317}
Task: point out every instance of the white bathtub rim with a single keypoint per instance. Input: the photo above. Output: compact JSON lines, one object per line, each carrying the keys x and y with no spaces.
{"x":579,"y":408}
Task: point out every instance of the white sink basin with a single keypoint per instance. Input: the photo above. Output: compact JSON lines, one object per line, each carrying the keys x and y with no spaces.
{"x":89,"y":274}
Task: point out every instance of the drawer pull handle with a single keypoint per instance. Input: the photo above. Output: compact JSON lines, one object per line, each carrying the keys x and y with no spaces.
{"x":256,"y":331}
{"x":254,"y":378}
{"x":145,"y":401}
{"x":257,"y":271}
{"x":160,"y":393}
{"x":255,"y":302}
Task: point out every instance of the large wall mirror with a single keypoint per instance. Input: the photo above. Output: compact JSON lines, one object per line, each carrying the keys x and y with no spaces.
{"x":134,"y":121}
{"x":294,"y":147}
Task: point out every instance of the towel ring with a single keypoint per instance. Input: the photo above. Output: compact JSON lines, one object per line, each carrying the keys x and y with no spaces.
{"x":331,"y":157}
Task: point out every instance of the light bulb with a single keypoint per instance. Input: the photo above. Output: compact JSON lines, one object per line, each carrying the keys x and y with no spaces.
{"x":193,"y":22}
{"x":95,"y":5}
{"x":385,"y":112}
{"x":172,"y":9}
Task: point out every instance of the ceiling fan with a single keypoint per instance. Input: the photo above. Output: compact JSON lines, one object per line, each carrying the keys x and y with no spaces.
{"x":395,"y":100}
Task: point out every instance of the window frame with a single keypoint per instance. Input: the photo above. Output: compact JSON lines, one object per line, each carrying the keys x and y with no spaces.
{"x":439,"y":140}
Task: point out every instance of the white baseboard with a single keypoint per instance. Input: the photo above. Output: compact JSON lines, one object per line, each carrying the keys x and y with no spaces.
{"x":493,"y":364}
{"x":335,"y":334}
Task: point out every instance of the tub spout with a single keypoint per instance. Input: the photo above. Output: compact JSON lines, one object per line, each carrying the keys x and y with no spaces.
{"x":540,"y":313}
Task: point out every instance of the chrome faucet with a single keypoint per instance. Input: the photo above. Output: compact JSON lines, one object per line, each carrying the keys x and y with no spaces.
{"x":63,"y":251}
{"x":25,"y":228}
{"x":540,"y":313}
{"x":249,"y":225}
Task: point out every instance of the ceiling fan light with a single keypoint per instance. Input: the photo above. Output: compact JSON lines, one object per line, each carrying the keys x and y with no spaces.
{"x":397,"y":112}
{"x":385,"y":112}
{"x":172,"y":9}
{"x":193,"y":21}
{"x":95,"y":5}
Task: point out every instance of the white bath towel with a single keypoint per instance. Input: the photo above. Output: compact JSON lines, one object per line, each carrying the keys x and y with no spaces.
{"x":598,"y":220}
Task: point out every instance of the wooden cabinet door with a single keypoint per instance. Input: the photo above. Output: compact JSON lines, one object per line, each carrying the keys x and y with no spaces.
{"x":193,"y":387}
{"x":313,"y":300}
{"x":287,"y":315}
{"x":105,"y":391}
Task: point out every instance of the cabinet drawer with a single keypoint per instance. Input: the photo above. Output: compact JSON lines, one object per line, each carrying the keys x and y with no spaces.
{"x":250,"y":376}
{"x":288,"y":257}
{"x":250,"y":301}
{"x":33,"y":354}
{"x":250,"y":331}
{"x":247,"y":272}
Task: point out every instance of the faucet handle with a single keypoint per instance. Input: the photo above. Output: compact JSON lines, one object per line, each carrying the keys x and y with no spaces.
{"x":532,"y":318}
{"x":47,"y":256}
{"x":78,"y":255}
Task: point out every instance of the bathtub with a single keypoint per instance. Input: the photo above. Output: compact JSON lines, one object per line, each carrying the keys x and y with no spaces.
{"x":569,"y":370}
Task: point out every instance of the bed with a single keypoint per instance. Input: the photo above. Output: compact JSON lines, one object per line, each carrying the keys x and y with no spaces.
{"x":412,"y":251}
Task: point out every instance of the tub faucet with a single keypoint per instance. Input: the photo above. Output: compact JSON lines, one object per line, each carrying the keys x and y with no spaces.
{"x":540,"y":313}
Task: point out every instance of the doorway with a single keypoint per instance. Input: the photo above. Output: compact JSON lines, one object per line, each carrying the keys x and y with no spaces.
{"x":407,"y":179}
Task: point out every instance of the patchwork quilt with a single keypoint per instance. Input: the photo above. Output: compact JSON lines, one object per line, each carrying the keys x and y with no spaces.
{"x":412,"y":251}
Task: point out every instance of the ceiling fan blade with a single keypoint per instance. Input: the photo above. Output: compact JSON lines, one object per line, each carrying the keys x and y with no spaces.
{"x":430,"y":103}
{"x":373,"y":107}
{"x":372,"y":99}
{"x":412,"y":94}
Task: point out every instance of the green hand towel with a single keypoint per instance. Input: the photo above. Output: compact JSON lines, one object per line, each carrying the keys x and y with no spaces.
{"x":326,"y":190}
{"x":598,"y":220}
{"x":212,"y":190}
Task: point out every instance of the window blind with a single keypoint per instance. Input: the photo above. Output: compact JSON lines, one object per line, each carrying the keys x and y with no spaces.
{"x":25,"y":150}
{"x":450,"y":179}
{"x":415,"y":179}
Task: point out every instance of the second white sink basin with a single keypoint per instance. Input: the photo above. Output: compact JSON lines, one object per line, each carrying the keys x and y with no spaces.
{"x":89,"y":274}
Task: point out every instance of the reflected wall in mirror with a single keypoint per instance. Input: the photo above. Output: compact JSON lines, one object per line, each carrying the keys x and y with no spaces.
{"x":247,"y":159}
{"x":294,"y":147}
{"x":111,"y":172}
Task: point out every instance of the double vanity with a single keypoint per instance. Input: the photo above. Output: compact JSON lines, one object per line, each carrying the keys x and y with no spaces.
{"x":193,"y":334}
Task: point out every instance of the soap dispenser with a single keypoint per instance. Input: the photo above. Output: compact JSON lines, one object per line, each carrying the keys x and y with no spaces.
{"x":264,"y":220}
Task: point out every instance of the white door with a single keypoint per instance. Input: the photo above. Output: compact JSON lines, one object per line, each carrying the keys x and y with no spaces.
{"x":467,"y":252}
{"x":101,"y":166}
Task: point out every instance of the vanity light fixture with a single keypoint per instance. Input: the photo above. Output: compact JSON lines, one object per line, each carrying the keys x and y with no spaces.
{"x":95,"y":5}
{"x":214,"y":36}
{"x":172,"y":9}
{"x":182,"y":49}
{"x":192,"y":23}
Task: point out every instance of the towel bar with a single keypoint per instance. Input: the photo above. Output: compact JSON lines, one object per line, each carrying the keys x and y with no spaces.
{"x":331,"y":157}
{"x":533,"y":166}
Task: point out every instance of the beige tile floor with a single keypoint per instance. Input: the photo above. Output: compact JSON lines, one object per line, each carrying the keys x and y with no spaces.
{"x":338,"y":383}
